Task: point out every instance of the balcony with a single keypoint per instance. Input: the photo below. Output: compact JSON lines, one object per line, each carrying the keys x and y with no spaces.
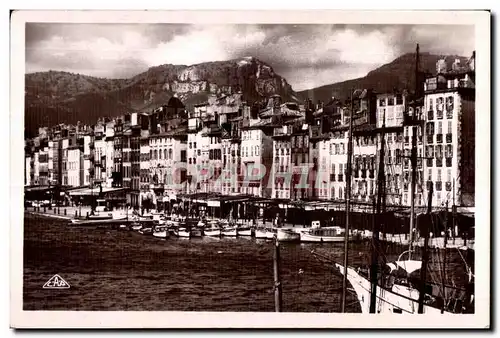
{"x":449,"y":114}
{"x":449,"y":138}
{"x":439,"y":186}
{"x":439,"y":114}
{"x":439,"y":138}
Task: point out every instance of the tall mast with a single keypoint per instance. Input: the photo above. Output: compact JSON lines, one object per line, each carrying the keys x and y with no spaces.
{"x":348,"y":204}
{"x":425,"y":253}
{"x":413,"y":158}
{"x":380,"y":196}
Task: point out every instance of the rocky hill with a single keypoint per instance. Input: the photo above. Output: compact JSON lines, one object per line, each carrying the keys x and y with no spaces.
{"x":399,"y":73}
{"x":60,"y":97}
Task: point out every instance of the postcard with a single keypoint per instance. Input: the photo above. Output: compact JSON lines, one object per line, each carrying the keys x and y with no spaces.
{"x":250,"y":169}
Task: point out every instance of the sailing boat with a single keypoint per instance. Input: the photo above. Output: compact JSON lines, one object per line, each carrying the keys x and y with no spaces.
{"x":395,"y":289}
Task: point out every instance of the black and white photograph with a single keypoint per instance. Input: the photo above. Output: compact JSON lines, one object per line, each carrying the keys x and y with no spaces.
{"x":324,"y":165}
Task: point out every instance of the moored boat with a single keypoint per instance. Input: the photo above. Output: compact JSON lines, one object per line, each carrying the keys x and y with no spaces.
{"x":230,"y":232}
{"x":136,"y":226}
{"x":244,"y":231}
{"x":196,"y":232}
{"x":270,"y":233}
{"x":287,"y":235}
{"x":182,"y":232}
{"x":160,"y":232}
{"x":146,"y":231}
{"x":326,"y":234}
{"x":260,"y":233}
{"x":212,"y":232}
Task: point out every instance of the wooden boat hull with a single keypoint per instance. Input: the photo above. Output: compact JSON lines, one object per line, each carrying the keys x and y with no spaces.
{"x":244,"y":232}
{"x":230,"y":232}
{"x":146,"y":231}
{"x":260,"y":233}
{"x":270,"y":234}
{"x":183,"y":233}
{"x":212,"y":232}
{"x":306,"y":237}
{"x":400,"y":299}
{"x":161,"y":234}
{"x":287,"y":235}
{"x":196,"y":233}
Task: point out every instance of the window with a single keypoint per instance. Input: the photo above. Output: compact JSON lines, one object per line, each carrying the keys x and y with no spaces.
{"x":439,"y":175}
{"x":257,"y":150}
{"x":390,"y":101}
{"x":190,"y":145}
{"x":450,"y":127}
{"x":194,"y":145}
{"x":448,"y":175}
{"x":399,"y":99}
{"x":381,"y":102}
{"x":440,"y":127}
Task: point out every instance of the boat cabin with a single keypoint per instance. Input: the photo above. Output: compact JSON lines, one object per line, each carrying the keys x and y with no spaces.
{"x":315,"y":224}
{"x":101,"y":205}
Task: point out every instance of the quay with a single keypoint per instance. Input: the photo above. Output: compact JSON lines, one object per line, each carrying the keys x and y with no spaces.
{"x":69,"y":212}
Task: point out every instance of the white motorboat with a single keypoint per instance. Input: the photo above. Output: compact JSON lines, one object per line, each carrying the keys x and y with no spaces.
{"x":212,"y":232}
{"x":326,"y":234}
{"x":244,"y":231}
{"x":182,"y":232}
{"x":270,"y":233}
{"x":136,"y":226}
{"x":230,"y":232}
{"x":260,"y":233}
{"x":287,"y":235}
{"x":160,"y":232}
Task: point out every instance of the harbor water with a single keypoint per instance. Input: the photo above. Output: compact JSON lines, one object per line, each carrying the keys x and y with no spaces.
{"x":124,"y":270}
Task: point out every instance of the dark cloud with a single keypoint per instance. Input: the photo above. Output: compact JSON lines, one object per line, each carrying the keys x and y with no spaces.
{"x":302,"y":53}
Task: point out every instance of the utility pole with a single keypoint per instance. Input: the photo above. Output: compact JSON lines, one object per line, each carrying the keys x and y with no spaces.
{"x":425,"y":254}
{"x":348,"y":205}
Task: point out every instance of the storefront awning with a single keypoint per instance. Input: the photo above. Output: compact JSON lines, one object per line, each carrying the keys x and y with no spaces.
{"x":95,"y":191}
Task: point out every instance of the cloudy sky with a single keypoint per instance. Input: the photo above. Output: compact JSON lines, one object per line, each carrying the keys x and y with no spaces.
{"x":306,"y":55}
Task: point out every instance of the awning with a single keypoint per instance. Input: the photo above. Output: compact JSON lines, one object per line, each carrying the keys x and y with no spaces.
{"x":95,"y":191}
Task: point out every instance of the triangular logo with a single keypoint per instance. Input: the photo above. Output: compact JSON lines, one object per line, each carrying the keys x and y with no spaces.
{"x":56,"y":282}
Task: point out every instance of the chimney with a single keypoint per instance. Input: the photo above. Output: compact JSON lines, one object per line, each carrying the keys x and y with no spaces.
{"x":456,"y":65}
{"x":441,"y":66}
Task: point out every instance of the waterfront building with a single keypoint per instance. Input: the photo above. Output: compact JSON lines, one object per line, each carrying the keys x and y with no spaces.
{"x":257,"y":149}
{"x":75,"y":165}
{"x":146,"y":196}
{"x":99,"y":154}
{"x":285,"y":120}
{"x":449,"y":115}
{"x":88,"y":159}
{"x":109,"y":152}
{"x":118,"y":141}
